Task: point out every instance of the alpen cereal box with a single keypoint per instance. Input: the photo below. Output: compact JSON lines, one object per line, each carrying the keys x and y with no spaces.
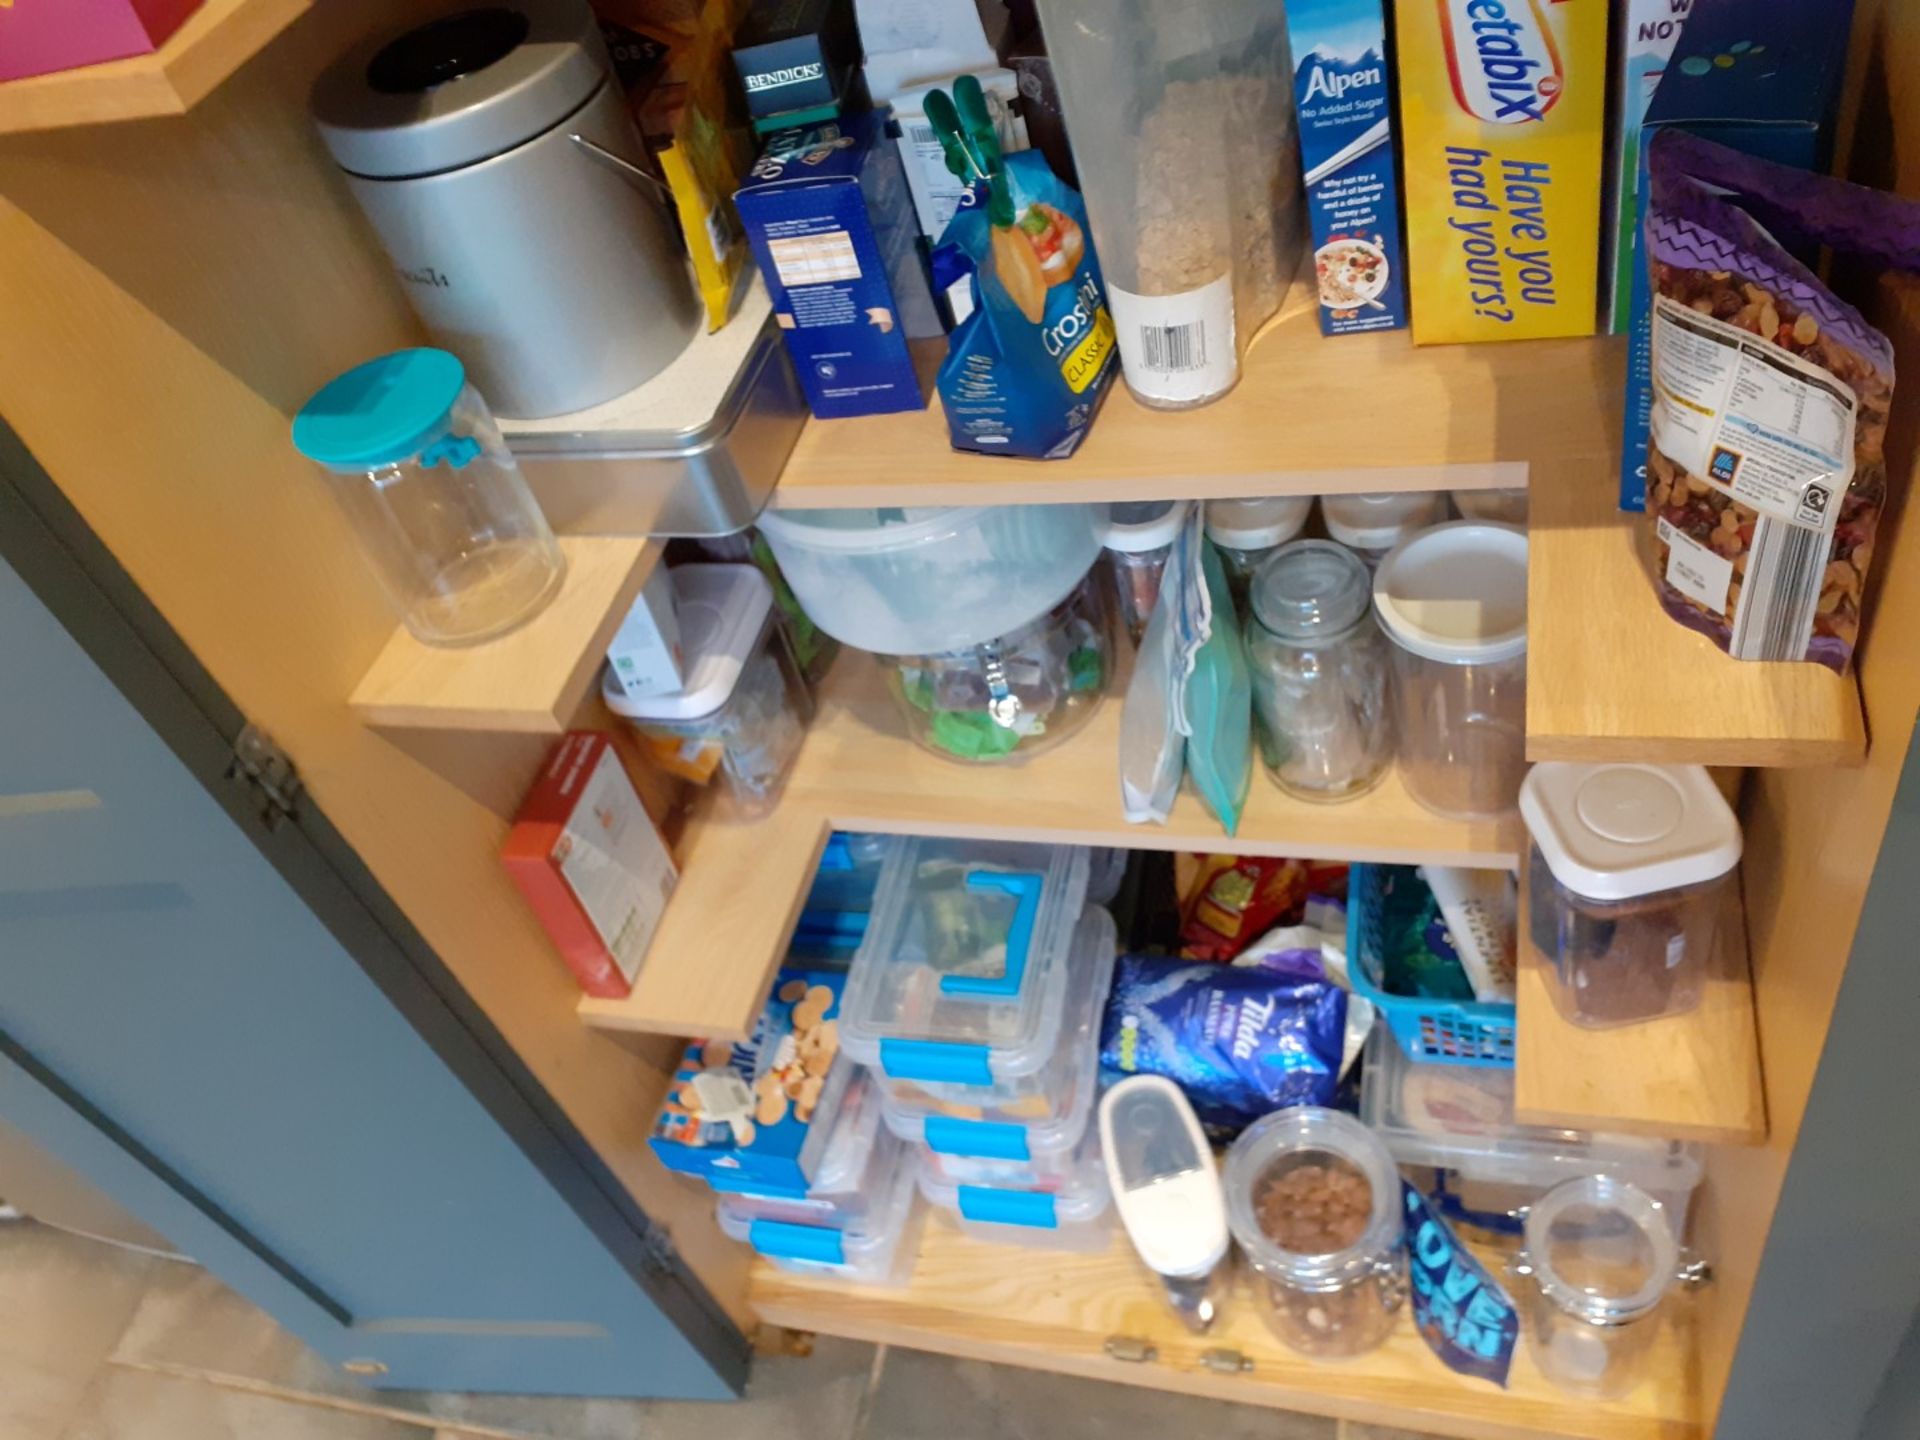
{"x":1503,"y":108}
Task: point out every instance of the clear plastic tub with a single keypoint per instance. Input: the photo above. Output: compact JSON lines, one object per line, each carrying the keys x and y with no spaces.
{"x":859,"y":1154}
{"x":1506,"y":506}
{"x":877,"y":1248}
{"x":1246,"y":532}
{"x":926,"y":581}
{"x":849,"y":871}
{"x":1600,"y":1255}
{"x":958,"y":998}
{"x":1106,"y":873}
{"x":1629,"y":872}
{"x":1460,"y":1118}
{"x":1139,"y":540}
{"x":1371,"y":525}
{"x":1313,"y":1197}
{"x":1454,"y":602}
{"x":744,"y":709}
{"x":1015,"y":695}
{"x":1076,"y":1215}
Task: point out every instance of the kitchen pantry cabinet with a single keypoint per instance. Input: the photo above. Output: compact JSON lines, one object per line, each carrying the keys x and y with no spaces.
{"x":173,"y":288}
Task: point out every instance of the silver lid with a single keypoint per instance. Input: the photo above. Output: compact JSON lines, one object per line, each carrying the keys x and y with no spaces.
{"x":456,"y":90}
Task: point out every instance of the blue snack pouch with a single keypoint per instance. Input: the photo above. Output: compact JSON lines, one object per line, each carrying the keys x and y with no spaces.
{"x":1240,"y":1041}
{"x":1460,"y":1310}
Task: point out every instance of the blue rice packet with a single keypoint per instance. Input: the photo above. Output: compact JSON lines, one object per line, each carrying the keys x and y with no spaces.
{"x":1461,"y":1311}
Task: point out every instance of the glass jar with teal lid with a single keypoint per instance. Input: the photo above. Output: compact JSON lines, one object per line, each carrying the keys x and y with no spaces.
{"x":441,"y":510}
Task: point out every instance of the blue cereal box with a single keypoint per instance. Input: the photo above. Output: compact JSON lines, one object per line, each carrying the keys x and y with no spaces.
{"x":832,"y":225}
{"x":1341,"y":90}
{"x":740,"y":1115}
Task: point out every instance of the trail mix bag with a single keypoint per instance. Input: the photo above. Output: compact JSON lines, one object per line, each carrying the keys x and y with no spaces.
{"x":1766,"y":471}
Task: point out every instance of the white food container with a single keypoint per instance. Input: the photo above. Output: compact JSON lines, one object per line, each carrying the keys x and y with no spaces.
{"x":1370,"y":525}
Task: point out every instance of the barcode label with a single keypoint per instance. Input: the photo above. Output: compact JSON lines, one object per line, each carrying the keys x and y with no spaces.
{"x":923,"y":135}
{"x":1773,"y":619}
{"x":1171,"y":348}
{"x":1177,"y":348}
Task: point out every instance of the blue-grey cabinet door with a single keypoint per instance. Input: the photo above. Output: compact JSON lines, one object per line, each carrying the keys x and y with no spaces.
{"x":178,"y":1024}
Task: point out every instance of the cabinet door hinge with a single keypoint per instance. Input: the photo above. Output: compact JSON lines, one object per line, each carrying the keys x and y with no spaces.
{"x":658,"y":1257}
{"x":268,"y":772}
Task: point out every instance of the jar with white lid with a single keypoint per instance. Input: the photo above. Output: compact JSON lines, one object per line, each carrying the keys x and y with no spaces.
{"x":1599,"y":1258}
{"x":1628,"y":873}
{"x":1453,"y":600}
{"x":1506,"y":505}
{"x":1370,"y":525}
{"x":1245,"y":532}
{"x":1313,"y":1198}
{"x":1139,"y":540}
{"x":1321,"y":671}
{"x":744,"y":708}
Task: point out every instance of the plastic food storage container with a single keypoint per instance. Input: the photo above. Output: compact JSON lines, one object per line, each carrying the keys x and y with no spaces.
{"x":1371,"y":525}
{"x":926,"y":581}
{"x":858,"y":1156}
{"x":1600,"y":1255}
{"x":1629,"y":871}
{"x":1139,"y":539}
{"x":438,"y":504}
{"x":1014,"y":695}
{"x":1075,"y":1215}
{"x":1106,"y":873}
{"x":1454,"y":602}
{"x":1246,"y":532}
{"x":958,"y":997}
{"x":813,"y":649}
{"x":1505,"y":506}
{"x":1460,"y":1119}
{"x":1320,"y":673}
{"x":1182,"y":119}
{"x":876,"y":1248}
{"x":745,"y":708}
{"x":1314,"y":1200}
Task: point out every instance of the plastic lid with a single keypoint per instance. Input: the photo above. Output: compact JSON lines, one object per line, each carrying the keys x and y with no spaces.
{"x":458,"y":89}
{"x":857,"y":1241}
{"x":1257,"y":524}
{"x":1138,"y":526}
{"x":1382,"y":520}
{"x":385,"y":410}
{"x":1309,"y":589}
{"x":1082,"y":1198}
{"x":1616,"y":831}
{"x":1457,"y":593}
{"x":872,"y":528}
{"x":1602,"y":1249}
{"x":722,"y":610}
{"x":1308,"y":1134}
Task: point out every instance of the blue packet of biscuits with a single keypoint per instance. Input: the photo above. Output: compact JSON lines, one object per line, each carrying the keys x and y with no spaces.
{"x":1241,"y":1041}
{"x":1460,"y":1310}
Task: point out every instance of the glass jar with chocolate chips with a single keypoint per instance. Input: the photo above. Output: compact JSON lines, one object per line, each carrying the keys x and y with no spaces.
{"x":1314,"y":1200}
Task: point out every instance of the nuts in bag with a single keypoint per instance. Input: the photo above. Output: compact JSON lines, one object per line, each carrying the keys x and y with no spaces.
{"x":1766,"y":471}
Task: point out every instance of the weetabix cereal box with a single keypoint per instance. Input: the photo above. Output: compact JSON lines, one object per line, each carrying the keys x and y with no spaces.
{"x":1503,"y":108}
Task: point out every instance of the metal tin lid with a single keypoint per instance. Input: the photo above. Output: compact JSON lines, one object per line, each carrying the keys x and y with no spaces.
{"x":458,"y":89}
{"x":1457,"y":594}
{"x":380,"y":412}
{"x":1601,"y":1249}
{"x":1613,"y":832}
{"x":723,"y":610}
{"x":1309,"y":590}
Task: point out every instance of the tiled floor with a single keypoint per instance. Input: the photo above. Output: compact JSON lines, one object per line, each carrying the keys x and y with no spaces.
{"x":101,"y":1344}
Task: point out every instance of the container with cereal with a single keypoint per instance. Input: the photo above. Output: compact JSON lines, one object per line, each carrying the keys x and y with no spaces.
{"x":958,"y":997}
{"x":1074,"y":1213}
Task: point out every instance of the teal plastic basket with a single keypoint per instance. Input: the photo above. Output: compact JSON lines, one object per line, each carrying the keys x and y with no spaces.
{"x":1443,"y":1032}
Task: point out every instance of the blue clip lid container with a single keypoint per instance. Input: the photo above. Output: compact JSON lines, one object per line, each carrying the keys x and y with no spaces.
{"x":874,"y":1248}
{"x":1074,"y":1215}
{"x":858,"y":1157}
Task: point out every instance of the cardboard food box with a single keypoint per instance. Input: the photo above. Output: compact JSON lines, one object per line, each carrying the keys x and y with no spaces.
{"x":1503,"y":119}
{"x":741,"y":1115}
{"x":799,"y":61}
{"x":38,"y":37}
{"x":590,"y":862}
{"x":1763,"y":79}
{"x":1642,"y":46}
{"x":645,"y":657}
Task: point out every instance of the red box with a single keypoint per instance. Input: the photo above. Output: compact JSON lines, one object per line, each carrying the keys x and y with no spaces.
{"x":38,"y":37}
{"x":588,"y":858}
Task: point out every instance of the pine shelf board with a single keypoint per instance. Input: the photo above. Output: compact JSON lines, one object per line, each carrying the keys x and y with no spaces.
{"x":1311,"y":415}
{"x":1690,"y":1077}
{"x":1053,"y":1311}
{"x":529,"y":681}
{"x":1610,"y":677}
{"x":215,"y":40}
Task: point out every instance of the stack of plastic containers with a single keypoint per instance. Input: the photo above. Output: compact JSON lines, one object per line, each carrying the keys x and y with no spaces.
{"x":975,"y":1001}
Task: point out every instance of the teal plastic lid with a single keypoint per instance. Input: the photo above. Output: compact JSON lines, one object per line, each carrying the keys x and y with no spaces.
{"x":385,"y":410}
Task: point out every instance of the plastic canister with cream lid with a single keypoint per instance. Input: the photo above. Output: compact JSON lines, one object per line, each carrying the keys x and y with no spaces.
{"x":1139,"y":539}
{"x":1371,"y":525}
{"x":1245,"y":532}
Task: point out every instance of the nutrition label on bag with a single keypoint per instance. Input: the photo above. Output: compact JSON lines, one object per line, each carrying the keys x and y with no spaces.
{"x":1769,"y":428}
{"x":1177,"y":348}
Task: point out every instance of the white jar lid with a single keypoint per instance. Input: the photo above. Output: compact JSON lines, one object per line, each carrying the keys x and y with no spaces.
{"x":1613,"y":832}
{"x":1381,"y":521}
{"x":722,"y":610}
{"x":1134,"y":529}
{"x":1259,"y":523}
{"x":1456,"y":593}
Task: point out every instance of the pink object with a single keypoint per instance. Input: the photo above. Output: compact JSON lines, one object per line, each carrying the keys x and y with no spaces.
{"x":41,"y":36}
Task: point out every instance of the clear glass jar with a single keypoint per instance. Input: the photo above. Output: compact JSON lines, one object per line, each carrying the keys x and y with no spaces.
{"x":441,"y":510}
{"x":1600,"y":1254}
{"x":1245,"y":532}
{"x":1314,"y":1200}
{"x":1320,"y":673}
{"x":1013,"y":696}
{"x":1453,"y":600}
{"x":1139,"y":540}
{"x":1371,"y":525}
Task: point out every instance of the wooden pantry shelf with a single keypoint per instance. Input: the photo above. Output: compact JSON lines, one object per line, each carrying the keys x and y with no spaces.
{"x":1610,"y":677}
{"x":1052,"y":1311}
{"x":1311,"y":415}
{"x":531,"y":680}
{"x":1692,"y":1077}
{"x":216,"y":40}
